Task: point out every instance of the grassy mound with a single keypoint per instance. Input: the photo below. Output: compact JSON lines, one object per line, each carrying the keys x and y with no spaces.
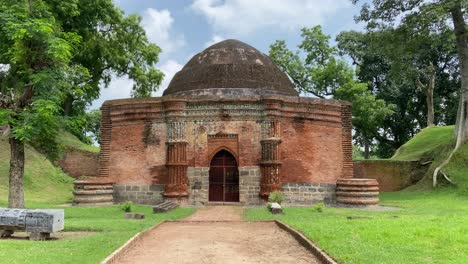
{"x":436,"y":143}
{"x":426,"y":144}
{"x":69,"y":141}
{"x":43,"y":182}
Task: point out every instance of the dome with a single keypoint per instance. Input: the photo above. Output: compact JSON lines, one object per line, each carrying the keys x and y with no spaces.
{"x":230,"y":64}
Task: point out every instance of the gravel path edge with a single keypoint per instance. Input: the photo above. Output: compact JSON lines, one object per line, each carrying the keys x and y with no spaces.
{"x":112,"y":258}
{"x":305,"y":242}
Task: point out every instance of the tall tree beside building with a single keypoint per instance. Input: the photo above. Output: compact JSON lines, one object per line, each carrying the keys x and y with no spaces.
{"x":317,"y":69}
{"x":423,"y":13}
{"x":51,"y":50}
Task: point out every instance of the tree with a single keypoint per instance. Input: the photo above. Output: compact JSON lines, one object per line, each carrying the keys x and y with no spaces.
{"x":112,"y":45}
{"x":393,"y":62}
{"x":36,"y":50}
{"x":52,"y":50}
{"x":422,"y":13}
{"x":323,"y":73}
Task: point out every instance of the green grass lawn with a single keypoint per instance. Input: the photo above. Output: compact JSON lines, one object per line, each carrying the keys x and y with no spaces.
{"x":112,"y":232}
{"x":430,"y":228}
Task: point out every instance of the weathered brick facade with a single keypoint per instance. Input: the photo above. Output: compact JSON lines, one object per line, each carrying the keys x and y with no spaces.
{"x":79,"y":163}
{"x":278,"y":141}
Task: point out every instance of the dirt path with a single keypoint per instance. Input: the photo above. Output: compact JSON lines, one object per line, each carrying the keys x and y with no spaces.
{"x":217,"y":213}
{"x":225,"y":241}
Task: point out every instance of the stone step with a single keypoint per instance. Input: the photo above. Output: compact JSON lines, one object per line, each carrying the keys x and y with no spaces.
{"x":358,"y":194}
{"x":95,"y":187}
{"x":93,"y":199}
{"x":93,"y":192}
{"x":164,"y":207}
{"x":94,"y":204}
{"x":357,"y":188}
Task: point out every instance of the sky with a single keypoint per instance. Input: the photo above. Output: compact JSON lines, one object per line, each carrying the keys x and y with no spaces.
{"x":183,"y":28}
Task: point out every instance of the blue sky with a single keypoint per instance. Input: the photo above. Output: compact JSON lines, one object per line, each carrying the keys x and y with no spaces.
{"x":182,"y":28}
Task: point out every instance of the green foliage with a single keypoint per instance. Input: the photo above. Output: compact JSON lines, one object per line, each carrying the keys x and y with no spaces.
{"x":319,"y":207}
{"x":324,"y":73}
{"x":362,"y":240}
{"x":112,"y":45}
{"x":392,"y":62}
{"x":85,"y":126}
{"x":357,"y":153}
{"x":423,"y":31}
{"x":29,"y":86}
{"x":276,"y":197}
{"x":126,"y":206}
{"x":93,"y":125}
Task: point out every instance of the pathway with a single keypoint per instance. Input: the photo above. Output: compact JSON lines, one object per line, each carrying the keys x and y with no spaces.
{"x":216,"y":235}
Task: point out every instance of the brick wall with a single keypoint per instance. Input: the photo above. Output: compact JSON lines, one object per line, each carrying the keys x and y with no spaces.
{"x":80,"y":163}
{"x":315,"y":141}
{"x":391,"y":175}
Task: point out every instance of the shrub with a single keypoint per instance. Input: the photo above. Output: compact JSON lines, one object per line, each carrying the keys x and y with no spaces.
{"x":318,"y":207}
{"x":127,"y":206}
{"x":276,"y":197}
{"x":269,"y":206}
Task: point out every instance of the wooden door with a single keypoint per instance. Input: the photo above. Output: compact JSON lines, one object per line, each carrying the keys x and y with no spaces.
{"x":224,"y":178}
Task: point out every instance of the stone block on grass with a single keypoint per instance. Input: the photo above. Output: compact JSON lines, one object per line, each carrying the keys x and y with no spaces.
{"x":134,"y":216}
{"x":276,"y":208}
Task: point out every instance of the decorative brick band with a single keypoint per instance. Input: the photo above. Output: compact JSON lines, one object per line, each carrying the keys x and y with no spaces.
{"x":271,"y":159}
{"x":106,"y":128}
{"x":346,"y":141}
{"x":176,"y":162}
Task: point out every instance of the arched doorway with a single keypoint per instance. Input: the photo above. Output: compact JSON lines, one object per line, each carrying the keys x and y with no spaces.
{"x":224,"y":178}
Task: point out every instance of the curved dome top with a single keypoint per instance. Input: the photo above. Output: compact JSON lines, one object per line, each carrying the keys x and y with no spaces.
{"x":231,"y":64}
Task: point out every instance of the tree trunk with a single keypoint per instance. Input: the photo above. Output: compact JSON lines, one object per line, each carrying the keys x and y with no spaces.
{"x":366,"y":147}
{"x":16,"y":194}
{"x":461,"y":128}
{"x":68,"y":105}
{"x":430,"y":95}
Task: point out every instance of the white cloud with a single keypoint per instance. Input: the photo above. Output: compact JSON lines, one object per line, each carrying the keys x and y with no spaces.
{"x":243,"y":17}
{"x":215,"y":39}
{"x":158,"y":26}
{"x":119,"y":87}
{"x":169,"y":68}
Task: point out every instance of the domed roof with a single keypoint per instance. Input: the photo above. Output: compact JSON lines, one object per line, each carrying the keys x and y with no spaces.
{"x":231,"y":64}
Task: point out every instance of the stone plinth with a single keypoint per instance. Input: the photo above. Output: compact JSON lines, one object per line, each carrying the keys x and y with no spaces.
{"x":357,"y":192}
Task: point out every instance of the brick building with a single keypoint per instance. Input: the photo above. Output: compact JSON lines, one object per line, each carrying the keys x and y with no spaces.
{"x":229,"y":128}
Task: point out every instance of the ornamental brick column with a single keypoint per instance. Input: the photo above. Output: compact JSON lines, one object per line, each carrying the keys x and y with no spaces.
{"x":176,"y":156}
{"x":271,"y":161}
{"x":177,"y":169}
{"x":346,"y":141}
